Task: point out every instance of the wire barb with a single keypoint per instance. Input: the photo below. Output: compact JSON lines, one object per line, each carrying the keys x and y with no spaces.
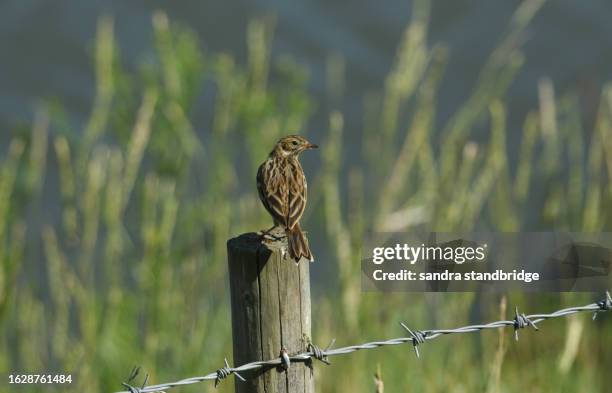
{"x":285,"y":360}
{"x":604,"y":305}
{"x":318,"y":353}
{"x":225,"y":372}
{"x":131,"y":378}
{"x":521,"y":321}
{"x":418,"y":337}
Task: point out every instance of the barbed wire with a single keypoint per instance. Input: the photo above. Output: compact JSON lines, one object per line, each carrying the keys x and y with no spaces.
{"x":416,"y":337}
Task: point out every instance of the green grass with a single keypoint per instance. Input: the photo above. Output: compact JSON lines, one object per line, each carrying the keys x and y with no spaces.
{"x":112,"y":237}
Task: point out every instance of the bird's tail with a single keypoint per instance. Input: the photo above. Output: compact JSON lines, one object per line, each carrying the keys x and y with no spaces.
{"x":298,"y":244}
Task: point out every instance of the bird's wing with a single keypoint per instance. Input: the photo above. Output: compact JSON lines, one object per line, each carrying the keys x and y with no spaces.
{"x":296,"y":198}
{"x":273,"y":191}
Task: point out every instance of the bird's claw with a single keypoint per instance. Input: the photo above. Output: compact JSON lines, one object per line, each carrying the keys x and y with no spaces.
{"x":269,"y":238}
{"x":267,"y":235}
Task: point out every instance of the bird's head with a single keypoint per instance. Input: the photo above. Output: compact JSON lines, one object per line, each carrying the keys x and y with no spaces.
{"x":292,"y":145}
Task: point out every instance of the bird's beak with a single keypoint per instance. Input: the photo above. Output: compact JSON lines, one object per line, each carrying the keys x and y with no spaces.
{"x":311,"y":146}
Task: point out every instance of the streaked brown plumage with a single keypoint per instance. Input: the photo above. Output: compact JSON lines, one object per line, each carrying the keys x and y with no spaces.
{"x":282,"y":189}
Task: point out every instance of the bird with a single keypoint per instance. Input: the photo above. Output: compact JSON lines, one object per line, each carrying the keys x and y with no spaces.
{"x":282,"y":189}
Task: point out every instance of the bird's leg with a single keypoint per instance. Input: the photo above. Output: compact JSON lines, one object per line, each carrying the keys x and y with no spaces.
{"x":266,"y":232}
{"x":267,"y":235}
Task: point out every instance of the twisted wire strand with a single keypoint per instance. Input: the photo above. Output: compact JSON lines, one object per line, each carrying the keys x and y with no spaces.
{"x":416,"y":338}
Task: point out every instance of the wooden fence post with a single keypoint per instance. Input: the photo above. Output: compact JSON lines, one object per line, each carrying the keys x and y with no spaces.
{"x":270,"y":310}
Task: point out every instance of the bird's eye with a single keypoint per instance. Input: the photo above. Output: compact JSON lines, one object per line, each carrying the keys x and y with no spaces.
{"x":294,"y":143}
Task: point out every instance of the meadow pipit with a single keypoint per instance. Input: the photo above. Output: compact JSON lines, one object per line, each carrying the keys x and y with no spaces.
{"x":282,"y":189}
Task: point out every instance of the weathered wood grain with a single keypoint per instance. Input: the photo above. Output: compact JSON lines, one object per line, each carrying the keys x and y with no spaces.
{"x":270,"y":297}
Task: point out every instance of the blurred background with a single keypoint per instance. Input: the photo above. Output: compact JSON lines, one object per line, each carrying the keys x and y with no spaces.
{"x":131,"y":135}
